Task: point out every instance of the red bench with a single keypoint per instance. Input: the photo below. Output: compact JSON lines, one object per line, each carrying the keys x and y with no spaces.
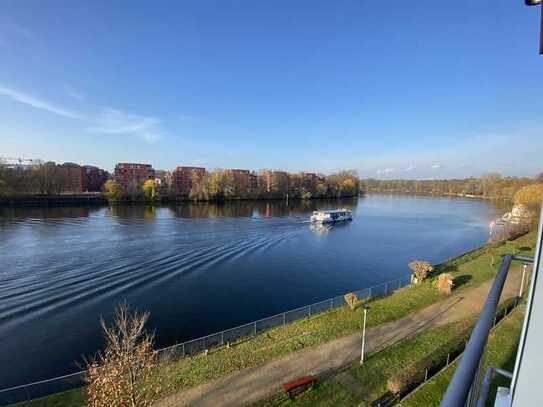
{"x":297,"y":386}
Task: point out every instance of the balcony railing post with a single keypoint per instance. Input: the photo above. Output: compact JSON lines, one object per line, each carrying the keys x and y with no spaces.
{"x":460,"y":389}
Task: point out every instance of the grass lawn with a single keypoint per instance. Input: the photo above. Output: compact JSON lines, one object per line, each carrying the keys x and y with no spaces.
{"x":368,"y":383}
{"x":501,"y":352}
{"x":174,"y":376}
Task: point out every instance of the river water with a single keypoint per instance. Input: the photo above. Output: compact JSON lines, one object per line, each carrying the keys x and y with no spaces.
{"x":200,"y":268}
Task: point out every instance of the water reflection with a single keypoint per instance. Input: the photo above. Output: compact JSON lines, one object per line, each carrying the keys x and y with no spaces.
{"x":323,"y":228}
{"x":255,"y":209}
{"x":46,"y":212}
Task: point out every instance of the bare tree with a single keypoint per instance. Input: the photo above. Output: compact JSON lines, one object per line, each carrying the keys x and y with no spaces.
{"x":119,"y":375}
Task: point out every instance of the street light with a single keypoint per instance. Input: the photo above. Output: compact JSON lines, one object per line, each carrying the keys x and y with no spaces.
{"x":535,"y":3}
{"x":522,"y":281}
{"x":363,"y":334}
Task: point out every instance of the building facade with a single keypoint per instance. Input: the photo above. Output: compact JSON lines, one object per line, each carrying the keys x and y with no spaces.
{"x":131,"y":176}
{"x":274,"y":182}
{"x":72,"y":178}
{"x":95,"y":178}
{"x":184,"y":178}
{"x":241,"y":179}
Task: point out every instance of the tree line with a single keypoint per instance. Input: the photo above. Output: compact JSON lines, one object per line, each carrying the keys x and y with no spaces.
{"x":491,"y":185}
{"x":221,"y":184}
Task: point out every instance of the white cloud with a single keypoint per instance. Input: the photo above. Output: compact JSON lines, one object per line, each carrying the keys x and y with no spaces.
{"x":117,"y":122}
{"x":38,"y":103}
{"x":436,"y":166}
{"x":73,"y":93}
{"x":385,"y":171}
{"x":410,"y":168}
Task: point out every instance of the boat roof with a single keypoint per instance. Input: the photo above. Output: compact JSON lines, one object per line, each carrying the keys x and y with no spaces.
{"x":334,"y":210}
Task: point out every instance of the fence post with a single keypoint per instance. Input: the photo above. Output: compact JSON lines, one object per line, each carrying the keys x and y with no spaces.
{"x":284,"y":318}
{"x":386,"y":288}
{"x":369,"y":296}
{"x":332,"y":303}
{"x":309,"y":311}
{"x":425,"y":375}
{"x":222,"y":338}
{"x":254,"y":330}
{"x":448,"y":359}
{"x":183,"y":349}
{"x":494,"y":324}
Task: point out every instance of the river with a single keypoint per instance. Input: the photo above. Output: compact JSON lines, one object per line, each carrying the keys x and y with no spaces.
{"x":200,"y":268}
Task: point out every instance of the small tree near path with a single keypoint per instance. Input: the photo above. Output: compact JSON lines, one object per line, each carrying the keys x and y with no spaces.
{"x":118,"y":376}
{"x":351,"y":299}
{"x":445,"y":283}
{"x":421,"y":269}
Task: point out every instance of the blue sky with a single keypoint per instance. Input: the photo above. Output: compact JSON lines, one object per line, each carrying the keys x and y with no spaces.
{"x":419,"y":89}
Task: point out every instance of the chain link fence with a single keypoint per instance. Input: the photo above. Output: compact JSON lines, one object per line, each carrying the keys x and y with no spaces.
{"x":195,"y":346}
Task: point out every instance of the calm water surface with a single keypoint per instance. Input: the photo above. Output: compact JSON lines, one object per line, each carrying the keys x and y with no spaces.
{"x":200,"y":268}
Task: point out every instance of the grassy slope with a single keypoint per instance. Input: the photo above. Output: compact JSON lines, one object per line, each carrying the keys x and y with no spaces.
{"x":370,"y":381}
{"x":501,"y":351}
{"x":469,"y":270}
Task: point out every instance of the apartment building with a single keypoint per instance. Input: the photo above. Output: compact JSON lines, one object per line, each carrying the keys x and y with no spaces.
{"x":184,"y":177}
{"x":131,"y":176}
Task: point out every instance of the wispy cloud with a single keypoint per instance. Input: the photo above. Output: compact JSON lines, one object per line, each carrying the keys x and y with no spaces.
{"x":37,"y":103}
{"x":436,"y":166}
{"x":410,"y":168}
{"x":73,"y":93}
{"x":385,"y":171}
{"x":116,"y":122}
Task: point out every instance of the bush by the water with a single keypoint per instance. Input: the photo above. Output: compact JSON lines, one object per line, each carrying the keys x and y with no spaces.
{"x":421,"y":269}
{"x":351,"y":299}
{"x":118,"y":376}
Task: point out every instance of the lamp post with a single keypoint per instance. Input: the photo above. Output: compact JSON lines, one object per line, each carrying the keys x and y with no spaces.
{"x":535,"y":3}
{"x":363,"y":334}
{"x":522,"y":280}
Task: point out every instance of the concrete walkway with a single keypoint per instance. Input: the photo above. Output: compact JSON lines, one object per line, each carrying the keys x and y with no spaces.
{"x":250,"y":385}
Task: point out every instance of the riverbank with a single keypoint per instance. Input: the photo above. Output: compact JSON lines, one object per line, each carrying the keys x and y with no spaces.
{"x":90,"y":199}
{"x":100,"y":199}
{"x":179,"y":375}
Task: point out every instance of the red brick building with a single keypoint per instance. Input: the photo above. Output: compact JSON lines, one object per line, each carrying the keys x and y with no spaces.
{"x":183,"y":178}
{"x":95,"y":178}
{"x":253,"y":182}
{"x":275,"y":181}
{"x":131,"y":176}
{"x":72,"y":178}
{"x":241,"y":181}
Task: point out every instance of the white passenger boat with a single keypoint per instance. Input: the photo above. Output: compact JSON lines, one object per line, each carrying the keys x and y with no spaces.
{"x":334,"y":215}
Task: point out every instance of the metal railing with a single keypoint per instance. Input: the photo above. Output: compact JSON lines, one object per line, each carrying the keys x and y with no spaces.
{"x":464,"y":389}
{"x":192,"y":347}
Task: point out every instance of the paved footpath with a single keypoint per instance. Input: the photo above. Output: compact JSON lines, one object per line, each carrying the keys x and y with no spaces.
{"x":253,"y":384}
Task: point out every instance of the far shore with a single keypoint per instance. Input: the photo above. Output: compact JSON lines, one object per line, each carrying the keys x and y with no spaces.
{"x":100,"y":199}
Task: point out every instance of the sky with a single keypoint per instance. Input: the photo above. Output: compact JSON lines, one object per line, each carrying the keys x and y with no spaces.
{"x":419,"y":89}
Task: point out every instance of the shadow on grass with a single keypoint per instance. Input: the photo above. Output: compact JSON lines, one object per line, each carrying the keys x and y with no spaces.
{"x":462,"y":280}
{"x":443,"y":268}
